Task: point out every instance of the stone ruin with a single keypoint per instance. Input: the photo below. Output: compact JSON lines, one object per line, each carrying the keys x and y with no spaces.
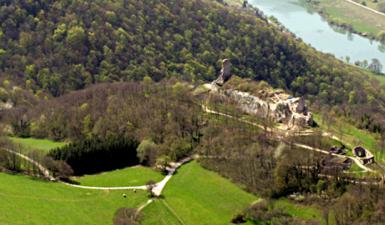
{"x":278,"y":105}
{"x":225,"y":74}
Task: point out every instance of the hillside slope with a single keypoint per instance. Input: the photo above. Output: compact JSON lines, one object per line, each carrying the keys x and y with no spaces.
{"x":58,"y":46}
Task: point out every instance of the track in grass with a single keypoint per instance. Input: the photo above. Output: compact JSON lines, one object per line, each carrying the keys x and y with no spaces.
{"x":198,"y":196}
{"x":27,"y":201}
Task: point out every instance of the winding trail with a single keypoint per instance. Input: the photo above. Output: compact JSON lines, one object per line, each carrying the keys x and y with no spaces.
{"x":365,"y":7}
{"x":45,"y":171}
{"x":157,"y":190}
{"x":281,"y":133}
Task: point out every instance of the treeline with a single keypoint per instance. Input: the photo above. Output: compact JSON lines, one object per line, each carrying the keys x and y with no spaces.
{"x":63,"y":45}
{"x":163,"y":117}
{"x":98,"y":154}
{"x":13,"y":163}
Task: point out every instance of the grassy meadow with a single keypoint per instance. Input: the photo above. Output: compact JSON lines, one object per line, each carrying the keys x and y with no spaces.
{"x":43,"y":145}
{"x":198,"y":196}
{"x":25,"y":201}
{"x":132,"y":176}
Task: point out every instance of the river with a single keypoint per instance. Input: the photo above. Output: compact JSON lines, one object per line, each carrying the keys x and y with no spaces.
{"x":314,"y":30}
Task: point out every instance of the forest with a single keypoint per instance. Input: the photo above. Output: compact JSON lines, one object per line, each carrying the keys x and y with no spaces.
{"x":52,"y":47}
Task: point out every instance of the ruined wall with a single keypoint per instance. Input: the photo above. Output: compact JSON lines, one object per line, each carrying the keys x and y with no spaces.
{"x":279,"y":106}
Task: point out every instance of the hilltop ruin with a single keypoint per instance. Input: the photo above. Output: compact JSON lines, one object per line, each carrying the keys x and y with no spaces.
{"x":283,"y":108}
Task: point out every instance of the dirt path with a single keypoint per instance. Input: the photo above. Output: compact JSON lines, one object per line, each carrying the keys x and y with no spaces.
{"x":280,"y":133}
{"x":157,"y":190}
{"x":365,"y":168}
{"x":365,"y":7}
{"x":45,"y":171}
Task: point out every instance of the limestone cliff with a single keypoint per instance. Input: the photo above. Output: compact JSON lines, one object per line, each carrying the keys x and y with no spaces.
{"x":276,"y":104}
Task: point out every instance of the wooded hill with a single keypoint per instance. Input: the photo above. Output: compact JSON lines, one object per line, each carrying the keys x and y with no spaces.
{"x":56,"y":46}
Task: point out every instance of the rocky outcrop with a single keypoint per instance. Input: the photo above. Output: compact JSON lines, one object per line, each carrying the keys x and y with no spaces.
{"x":275,"y":104}
{"x":225,"y":74}
{"x":279,"y":106}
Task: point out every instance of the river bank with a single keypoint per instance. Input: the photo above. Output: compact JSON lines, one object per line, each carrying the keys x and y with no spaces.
{"x":350,"y":16}
{"x":312,"y":29}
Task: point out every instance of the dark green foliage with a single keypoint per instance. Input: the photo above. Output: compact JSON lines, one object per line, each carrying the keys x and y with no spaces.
{"x":98,"y":154}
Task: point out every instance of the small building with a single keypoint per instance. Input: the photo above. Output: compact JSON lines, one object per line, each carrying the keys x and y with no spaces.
{"x":337,"y":150}
{"x":332,"y":163}
{"x":363,"y":155}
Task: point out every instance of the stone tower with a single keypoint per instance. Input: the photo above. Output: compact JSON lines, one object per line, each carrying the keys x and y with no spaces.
{"x":225,"y":74}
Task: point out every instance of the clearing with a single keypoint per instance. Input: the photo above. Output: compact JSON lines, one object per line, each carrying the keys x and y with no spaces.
{"x":132,"y":176}
{"x":43,"y":145}
{"x":198,"y":196}
{"x":27,"y":201}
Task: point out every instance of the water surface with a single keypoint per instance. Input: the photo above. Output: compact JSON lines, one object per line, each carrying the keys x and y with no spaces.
{"x":314,"y":30}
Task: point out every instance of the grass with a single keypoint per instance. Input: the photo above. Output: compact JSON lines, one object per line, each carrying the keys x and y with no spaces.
{"x":351,"y":135}
{"x":133,"y":176}
{"x":37,"y":144}
{"x":370,"y":3}
{"x":343,"y":12}
{"x":299,"y":211}
{"x":29,"y":202}
{"x":158,"y":213}
{"x":199,"y":196}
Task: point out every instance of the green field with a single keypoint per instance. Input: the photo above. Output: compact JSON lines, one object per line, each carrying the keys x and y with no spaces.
{"x":132,"y":176}
{"x":300,"y":211}
{"x":37,"y":144}
{"x":198,"y":196}
{"x":26,"y":201}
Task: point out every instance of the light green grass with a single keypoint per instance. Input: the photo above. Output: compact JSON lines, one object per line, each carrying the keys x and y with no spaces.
{"x":158,"y":213}
{"x":299,"y":211}
{"x":24,"y":201}
{"x":199,"y":196}
{"x":37,"y":144}
{"x":132,"y":176}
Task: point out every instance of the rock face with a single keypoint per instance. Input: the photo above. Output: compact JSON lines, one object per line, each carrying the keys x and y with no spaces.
{"x":279,"y":106}
{"x":225,"y":74}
